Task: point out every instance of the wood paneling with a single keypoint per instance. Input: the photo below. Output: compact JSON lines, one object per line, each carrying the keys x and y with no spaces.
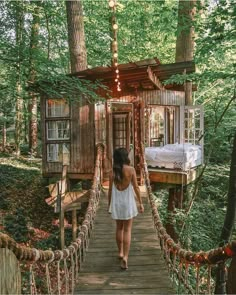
{"x":174,"y":176}
{"x":10,"y":275}
{"x":82,"y":138}
{"x":160,"y":97}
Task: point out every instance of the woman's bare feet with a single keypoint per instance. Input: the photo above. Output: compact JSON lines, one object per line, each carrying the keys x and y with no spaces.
{"x":124,"y":264}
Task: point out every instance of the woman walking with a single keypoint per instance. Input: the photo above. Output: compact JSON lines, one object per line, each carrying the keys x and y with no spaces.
{"x":121,"y":201}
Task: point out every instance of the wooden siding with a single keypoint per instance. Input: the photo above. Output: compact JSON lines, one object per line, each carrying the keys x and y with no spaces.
{"x":100,"y":123}
{"x":82,"y":141}
{"x":82,"y":138}
{"x":10,"y":275}
{"x":160,"y":97}
{"x":174,"y":176}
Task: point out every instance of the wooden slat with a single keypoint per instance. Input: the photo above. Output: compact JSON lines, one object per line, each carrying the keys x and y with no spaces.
{"x":173,"y":176}
{"x":101,"y":273}
{"x":153,"y":78}
{"x":10,"y":275}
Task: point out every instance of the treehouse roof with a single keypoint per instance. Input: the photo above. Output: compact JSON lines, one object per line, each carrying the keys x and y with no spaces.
{"x":142,"y":75}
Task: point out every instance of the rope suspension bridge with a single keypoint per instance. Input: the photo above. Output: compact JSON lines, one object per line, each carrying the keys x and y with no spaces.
{"x":157,"y":265}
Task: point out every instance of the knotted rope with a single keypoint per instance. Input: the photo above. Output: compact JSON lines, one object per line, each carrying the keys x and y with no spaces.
{"x":77,"y":248}
{"x":173,"y":251}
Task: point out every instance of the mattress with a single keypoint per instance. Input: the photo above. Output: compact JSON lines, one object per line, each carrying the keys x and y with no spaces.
{"x":174,"y":156}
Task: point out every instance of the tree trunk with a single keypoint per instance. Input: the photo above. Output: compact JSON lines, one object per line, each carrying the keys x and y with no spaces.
{"x":76,"y":37}
{"x":185,"y":39}
{"x":231,"y":206}
{"x":32,"y":105}
{"x":4,"y":136}
{"x":228,"y":225}
{"x":19,"y":100}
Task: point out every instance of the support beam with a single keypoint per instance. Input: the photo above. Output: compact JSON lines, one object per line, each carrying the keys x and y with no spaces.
{"x":74,"y":225}
{"x":153,"y":78}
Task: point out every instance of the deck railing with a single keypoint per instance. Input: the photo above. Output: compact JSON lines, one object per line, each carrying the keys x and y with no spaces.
{"x":56,"y":272}
{"x":191,"y":271}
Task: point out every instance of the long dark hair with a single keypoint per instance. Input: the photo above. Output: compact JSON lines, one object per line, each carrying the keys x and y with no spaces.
{"x":120,"y":158}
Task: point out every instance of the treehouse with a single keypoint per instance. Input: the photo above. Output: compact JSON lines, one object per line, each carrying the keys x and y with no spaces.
{"x":143,"y":111}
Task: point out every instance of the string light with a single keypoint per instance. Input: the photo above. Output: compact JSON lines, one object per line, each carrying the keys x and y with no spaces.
{"x":115,"y":27}
{"x":112,"y":4}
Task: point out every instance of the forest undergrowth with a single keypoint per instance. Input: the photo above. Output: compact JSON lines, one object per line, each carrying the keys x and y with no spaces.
{"x":201,"y":228}
{"x":25,"y":215}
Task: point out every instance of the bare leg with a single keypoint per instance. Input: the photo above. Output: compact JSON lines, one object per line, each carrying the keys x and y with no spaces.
{"x":119,"y":236}
{"x":126,"y":241}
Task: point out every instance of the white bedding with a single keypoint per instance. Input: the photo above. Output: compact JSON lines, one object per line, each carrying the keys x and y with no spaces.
{"x":174,"y":156}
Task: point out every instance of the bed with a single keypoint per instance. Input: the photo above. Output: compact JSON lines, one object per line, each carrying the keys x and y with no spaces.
{"x":174,"y":156}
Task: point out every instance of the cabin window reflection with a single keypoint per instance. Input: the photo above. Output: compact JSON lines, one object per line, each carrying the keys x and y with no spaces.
{"x":164,"y":125}
{"x":58,"y":152}
{"x":58,"y":130}
{"x":57,"y":108}
{"x":157,"y":126}
{"x":192,"y":126}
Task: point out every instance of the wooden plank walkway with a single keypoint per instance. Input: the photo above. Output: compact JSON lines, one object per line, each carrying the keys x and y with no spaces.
{"x":101,"y":274}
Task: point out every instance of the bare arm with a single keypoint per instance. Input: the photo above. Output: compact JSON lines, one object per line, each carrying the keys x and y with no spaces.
{"x":137,"y":191}
{"x":110,"y":188}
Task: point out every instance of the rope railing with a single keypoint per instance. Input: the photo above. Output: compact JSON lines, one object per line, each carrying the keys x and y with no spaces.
{"x":56,"y":272}
{"x":185,"y":267}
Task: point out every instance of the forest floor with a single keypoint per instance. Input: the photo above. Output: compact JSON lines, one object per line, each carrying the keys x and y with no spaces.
{"x":22,"y":186}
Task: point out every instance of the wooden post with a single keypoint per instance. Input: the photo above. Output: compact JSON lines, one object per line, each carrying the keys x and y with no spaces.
{"x":10,"y":275}
{"x":171,"y":211}
{"x":62,"y":190}
{"x":62,"y":229}
{"x":74,"y":225}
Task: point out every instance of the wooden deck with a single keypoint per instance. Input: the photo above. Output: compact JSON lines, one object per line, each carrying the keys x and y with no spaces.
{"x":101,"y":273}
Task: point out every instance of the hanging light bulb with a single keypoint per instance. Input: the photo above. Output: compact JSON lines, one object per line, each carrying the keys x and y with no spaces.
{"x":111,"y":3}
{"x":115,"y":55}
{"x":115,"y":27}
{"x":116,"y":64}
{"x":117,"y":71}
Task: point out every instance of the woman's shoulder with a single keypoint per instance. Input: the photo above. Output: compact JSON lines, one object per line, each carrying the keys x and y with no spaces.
{"x":129,"y":169}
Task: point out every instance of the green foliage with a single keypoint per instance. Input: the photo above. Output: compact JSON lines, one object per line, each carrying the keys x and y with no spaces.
{"x":53,"y":241}
{"x":200,"y":229}
{"x":69,"y":87}
{"x":16,"y":226}
{"x":23,"y":186}
{"x":4,"y":202}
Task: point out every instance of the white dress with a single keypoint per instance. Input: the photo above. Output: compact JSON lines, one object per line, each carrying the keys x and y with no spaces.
{"x":123,"y":205}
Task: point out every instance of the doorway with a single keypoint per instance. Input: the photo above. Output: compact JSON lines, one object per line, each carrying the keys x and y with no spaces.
{"x":122,"y":125}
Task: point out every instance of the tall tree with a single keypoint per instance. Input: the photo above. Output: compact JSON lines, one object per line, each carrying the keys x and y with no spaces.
{"x":185,"y":39}
{"x":19,"y":99}
{"x":32,"y":105}
{"x":228,"y":224}
{"x":76,"y":36}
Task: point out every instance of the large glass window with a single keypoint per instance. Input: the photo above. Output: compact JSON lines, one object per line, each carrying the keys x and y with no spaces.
{"x":57,"y":108}
{"x":193,"y":126}
{"x":157,"y":126}
{"x":58,"y":130}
